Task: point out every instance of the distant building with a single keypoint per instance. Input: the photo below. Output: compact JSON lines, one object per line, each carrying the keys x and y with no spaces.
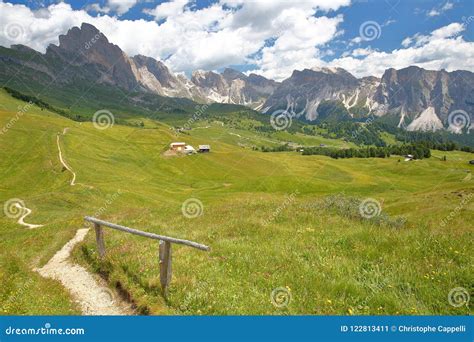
{"x":409,"y":157}
{"x":204,"y":148}
{"x":188,"y":149}
{"x":177,"y":146}
{"x":322,"y":145}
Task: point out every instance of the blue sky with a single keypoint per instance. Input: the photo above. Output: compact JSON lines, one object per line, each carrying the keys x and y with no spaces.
{"x":271,"y":38}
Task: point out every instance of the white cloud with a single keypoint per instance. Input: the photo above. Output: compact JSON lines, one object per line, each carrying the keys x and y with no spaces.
{"x":389,"y":22}
{"x":167,"y":9}
{"x":121,"y":6}
{"x":360,"y":52}
{"x":433,"y":13}
{"x":297,"y":46}
{"x":442,"y":49}
{"x":97,"y":8}
{"x":112,"y":6}
{"x":439,"y":10}
{"x":407,"y":41}
{"x":448,"y":31}
{"x":448,"y":6}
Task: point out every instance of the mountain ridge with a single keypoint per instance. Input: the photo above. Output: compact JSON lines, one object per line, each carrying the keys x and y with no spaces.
{"x":419,"y":99}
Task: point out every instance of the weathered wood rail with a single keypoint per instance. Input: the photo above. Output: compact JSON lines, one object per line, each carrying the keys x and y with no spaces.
{"x":164,"y":251}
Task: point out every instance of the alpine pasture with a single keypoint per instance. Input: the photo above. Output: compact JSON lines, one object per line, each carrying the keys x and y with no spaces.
{"x":265,"y":216}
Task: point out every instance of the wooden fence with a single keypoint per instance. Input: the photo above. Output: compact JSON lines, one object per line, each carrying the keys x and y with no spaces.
{"x":164,"y":246}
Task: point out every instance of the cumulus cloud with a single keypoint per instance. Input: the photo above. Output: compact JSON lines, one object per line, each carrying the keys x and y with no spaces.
{"x":113,"y":6}
{"x":121,"y":6}
{"x":442,"y":49}
{"x":167,"y":9}
{"x":448,"y":31}
{"x":297,"y":46}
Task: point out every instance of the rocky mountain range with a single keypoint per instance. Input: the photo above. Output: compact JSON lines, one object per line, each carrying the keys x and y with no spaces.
{"x":111,"y":65}
{"x":413,"y":98}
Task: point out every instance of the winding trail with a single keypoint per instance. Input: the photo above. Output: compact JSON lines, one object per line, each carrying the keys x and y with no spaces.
{"x":26,"y":212}
{"x":73,"y":180}
{"x":90,"y":292}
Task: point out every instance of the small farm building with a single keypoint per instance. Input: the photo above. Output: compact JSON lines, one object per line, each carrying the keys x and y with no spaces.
{"x":177,"y":146}
{"x":204,"y":148}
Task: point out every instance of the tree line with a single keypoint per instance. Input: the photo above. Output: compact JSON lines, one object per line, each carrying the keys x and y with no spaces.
{"x":418,"y":151}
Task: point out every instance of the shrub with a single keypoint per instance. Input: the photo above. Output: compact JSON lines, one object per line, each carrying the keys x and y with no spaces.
{"x":349,"y":207}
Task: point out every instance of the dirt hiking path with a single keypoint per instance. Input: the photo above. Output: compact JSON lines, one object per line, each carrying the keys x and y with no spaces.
{"x":90,"y":292}
{"x":26,"y":211}
{"x":73,"y":180}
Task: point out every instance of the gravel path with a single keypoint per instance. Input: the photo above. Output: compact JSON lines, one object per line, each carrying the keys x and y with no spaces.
{"x":73,"y":180}
{"x":26,"y":212}
{"x":91,"y":292}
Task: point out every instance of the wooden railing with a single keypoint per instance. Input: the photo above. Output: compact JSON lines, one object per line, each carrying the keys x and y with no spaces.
{"x":164,"y":246}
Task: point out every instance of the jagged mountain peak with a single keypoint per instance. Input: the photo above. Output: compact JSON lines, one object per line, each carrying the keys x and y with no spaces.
{"x":232,"y":74}
{"x":329,"y":70}
{"x":202,"y":73}
{"x":83,"y":38}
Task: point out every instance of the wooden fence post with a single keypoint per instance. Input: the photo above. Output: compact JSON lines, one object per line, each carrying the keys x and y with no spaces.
{"x":164,"y":251}
{"x":99,"y":237}
{"x":165,"y":265}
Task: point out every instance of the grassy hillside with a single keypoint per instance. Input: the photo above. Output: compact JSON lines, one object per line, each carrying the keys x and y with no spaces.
{"x":265,"y":216}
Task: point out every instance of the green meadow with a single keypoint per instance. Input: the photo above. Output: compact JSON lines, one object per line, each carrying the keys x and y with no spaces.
{"x":264,"y":215}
